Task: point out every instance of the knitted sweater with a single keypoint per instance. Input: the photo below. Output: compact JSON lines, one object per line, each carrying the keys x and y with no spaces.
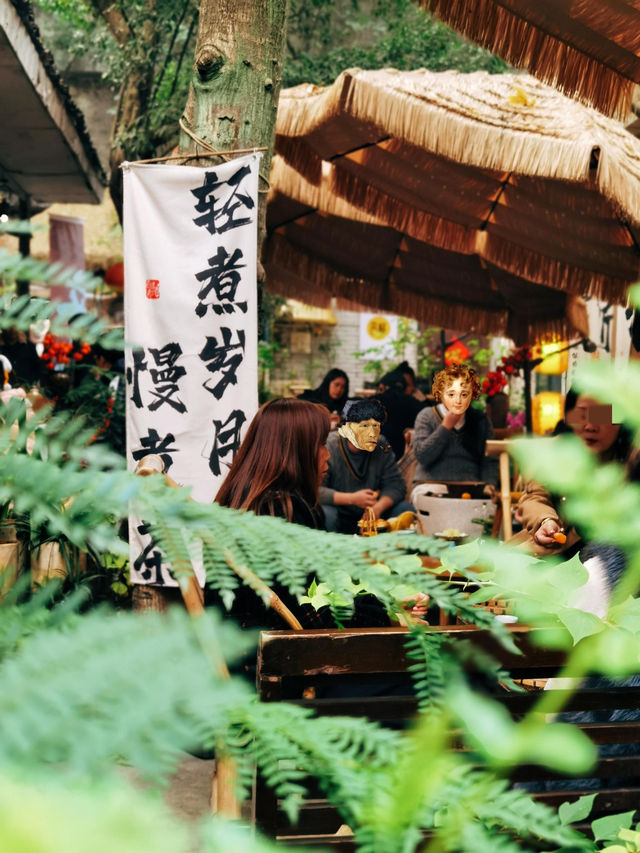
{"x":377,"y":470}
{"x":450,"y":454}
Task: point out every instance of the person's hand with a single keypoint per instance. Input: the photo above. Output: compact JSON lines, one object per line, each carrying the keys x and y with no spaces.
{"x":417,"y":605}
{"x":546,"y":535}
{"x":451,"y":419}
{"x":334,"y":420}
{"x":364,"y":498}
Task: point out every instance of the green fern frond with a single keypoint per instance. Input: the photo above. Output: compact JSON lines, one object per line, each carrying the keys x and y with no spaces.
{"x":429,"y":673}
{"x":350,"y":758}
{"x":50,"y":813}
{"x":509,"y":816}
{"x":467,"y":653}
{"x":144,"y":712}
{"x":23,"y":311}
{"x":36,"y":613}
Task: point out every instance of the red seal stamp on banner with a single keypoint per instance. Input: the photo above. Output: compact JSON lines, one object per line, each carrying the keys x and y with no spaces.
{"x":153,"y":288}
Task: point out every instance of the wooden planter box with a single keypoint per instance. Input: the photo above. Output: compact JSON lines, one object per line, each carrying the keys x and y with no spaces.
{"x":12,"y":556}
{"x":48,"y":562}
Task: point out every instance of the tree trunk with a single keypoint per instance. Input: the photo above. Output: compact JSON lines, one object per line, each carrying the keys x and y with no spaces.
{"x":232,"y":105}
{"x":134,"y":101}
{"x":234,"y":92}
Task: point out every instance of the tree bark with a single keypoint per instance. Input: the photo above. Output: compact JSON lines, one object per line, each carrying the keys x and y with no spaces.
{"x":134,"y":98}
{"x":236,"y":81}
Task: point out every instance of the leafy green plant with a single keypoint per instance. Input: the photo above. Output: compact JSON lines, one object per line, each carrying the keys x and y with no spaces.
{"x":69,"y":679}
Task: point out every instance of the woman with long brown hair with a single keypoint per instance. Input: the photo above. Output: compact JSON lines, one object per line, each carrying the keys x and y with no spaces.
{"x":281,"y":463}
{"x":277,"y":471}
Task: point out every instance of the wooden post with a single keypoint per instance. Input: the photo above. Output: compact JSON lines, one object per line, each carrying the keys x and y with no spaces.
{"x":24,"y":243}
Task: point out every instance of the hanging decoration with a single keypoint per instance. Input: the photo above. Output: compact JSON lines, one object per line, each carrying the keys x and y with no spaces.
{"x":190,"y":245}
{"x":553,"y":361}
{"x":547,"y":408}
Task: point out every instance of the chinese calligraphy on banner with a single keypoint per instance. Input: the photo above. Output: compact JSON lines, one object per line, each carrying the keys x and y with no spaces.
{"x":190,"y":240}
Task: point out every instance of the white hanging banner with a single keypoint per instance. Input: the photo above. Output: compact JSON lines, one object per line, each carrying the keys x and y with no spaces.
{"x":190,"y":245}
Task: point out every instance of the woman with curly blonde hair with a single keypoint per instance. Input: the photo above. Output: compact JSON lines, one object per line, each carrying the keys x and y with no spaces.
{"x":449,"y":439}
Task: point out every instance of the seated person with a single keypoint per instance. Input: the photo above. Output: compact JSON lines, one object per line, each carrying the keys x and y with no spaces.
{"x":401,"y":410}
{"x":449,"y":439}
{"x":409,"y":374}
{"x":332,"y":393}
{"x":363,"y":471}
{"x":544,"y":531}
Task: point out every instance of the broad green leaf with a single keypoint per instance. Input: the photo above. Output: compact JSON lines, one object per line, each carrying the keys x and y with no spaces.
{"x":569,"y":575}
{"x":631,"y":835}
{"x":320,"y":595}
{"x":44,"y":817}
{"x":560,"y":463}
{"x":382,"y":568}
{"x":487,"y":723}
{"x":579,"y":623}
{"x":626,"y":614}
{"x":403,"y":591}
{"x":552,"y":638}
{"x":616,"y":653}
{"x":609,"y":827}
{"x":578,"y":810}
{"x":460,"y":557}
{"x":559,"y":746}
{"x":404,"y":564}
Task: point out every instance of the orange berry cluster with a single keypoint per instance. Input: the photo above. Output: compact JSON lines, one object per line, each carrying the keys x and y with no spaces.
{"x":58,"y":351}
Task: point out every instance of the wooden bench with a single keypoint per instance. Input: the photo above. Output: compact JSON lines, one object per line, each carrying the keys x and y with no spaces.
{"x":295,"y":666}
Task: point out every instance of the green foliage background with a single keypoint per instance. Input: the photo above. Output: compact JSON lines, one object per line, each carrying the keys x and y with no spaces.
{"x":83,"y":693}
{"x":324,"y":37}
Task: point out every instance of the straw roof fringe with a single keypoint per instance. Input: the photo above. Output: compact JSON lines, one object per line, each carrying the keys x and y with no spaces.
{"x":362,"y":294}
{"x":548,"y":271}
{"x":289,"y":182}
{"x":620,"y":183}
{"x":464,"y":200}
{"x":429,"y":121}
{"x":367,"y":204}
{"x":505,"y":123}
{"x":290,"y":274}
{"x":415,"y":223}
{"x":373,"y":295}
{"x":297,"y":153}
{"x":574,"y":60}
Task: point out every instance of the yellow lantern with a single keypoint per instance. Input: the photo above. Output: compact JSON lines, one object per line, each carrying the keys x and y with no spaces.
{"x":554,"y":362}
{"x":547,"y":408}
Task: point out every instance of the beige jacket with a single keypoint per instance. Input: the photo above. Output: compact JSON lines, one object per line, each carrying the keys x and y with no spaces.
{"x":536,"y":505}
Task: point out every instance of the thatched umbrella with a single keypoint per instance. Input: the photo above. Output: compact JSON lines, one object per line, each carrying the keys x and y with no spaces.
{"x":590,"y":49}
{"x":468,"y":201}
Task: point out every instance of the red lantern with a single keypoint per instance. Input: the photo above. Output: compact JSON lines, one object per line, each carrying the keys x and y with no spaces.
{"x":456,"y":353}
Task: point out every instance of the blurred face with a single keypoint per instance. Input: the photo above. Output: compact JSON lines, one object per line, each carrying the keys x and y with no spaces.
{"x":591,"y":421}
{"x":366,"y":434}
{"x":323,"y":463}
{"x":337,"y":388}
{"x":457,"y":397}
{"x":411,"y":385}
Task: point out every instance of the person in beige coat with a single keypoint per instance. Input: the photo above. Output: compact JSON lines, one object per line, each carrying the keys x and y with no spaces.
{"x":543,"y":528}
